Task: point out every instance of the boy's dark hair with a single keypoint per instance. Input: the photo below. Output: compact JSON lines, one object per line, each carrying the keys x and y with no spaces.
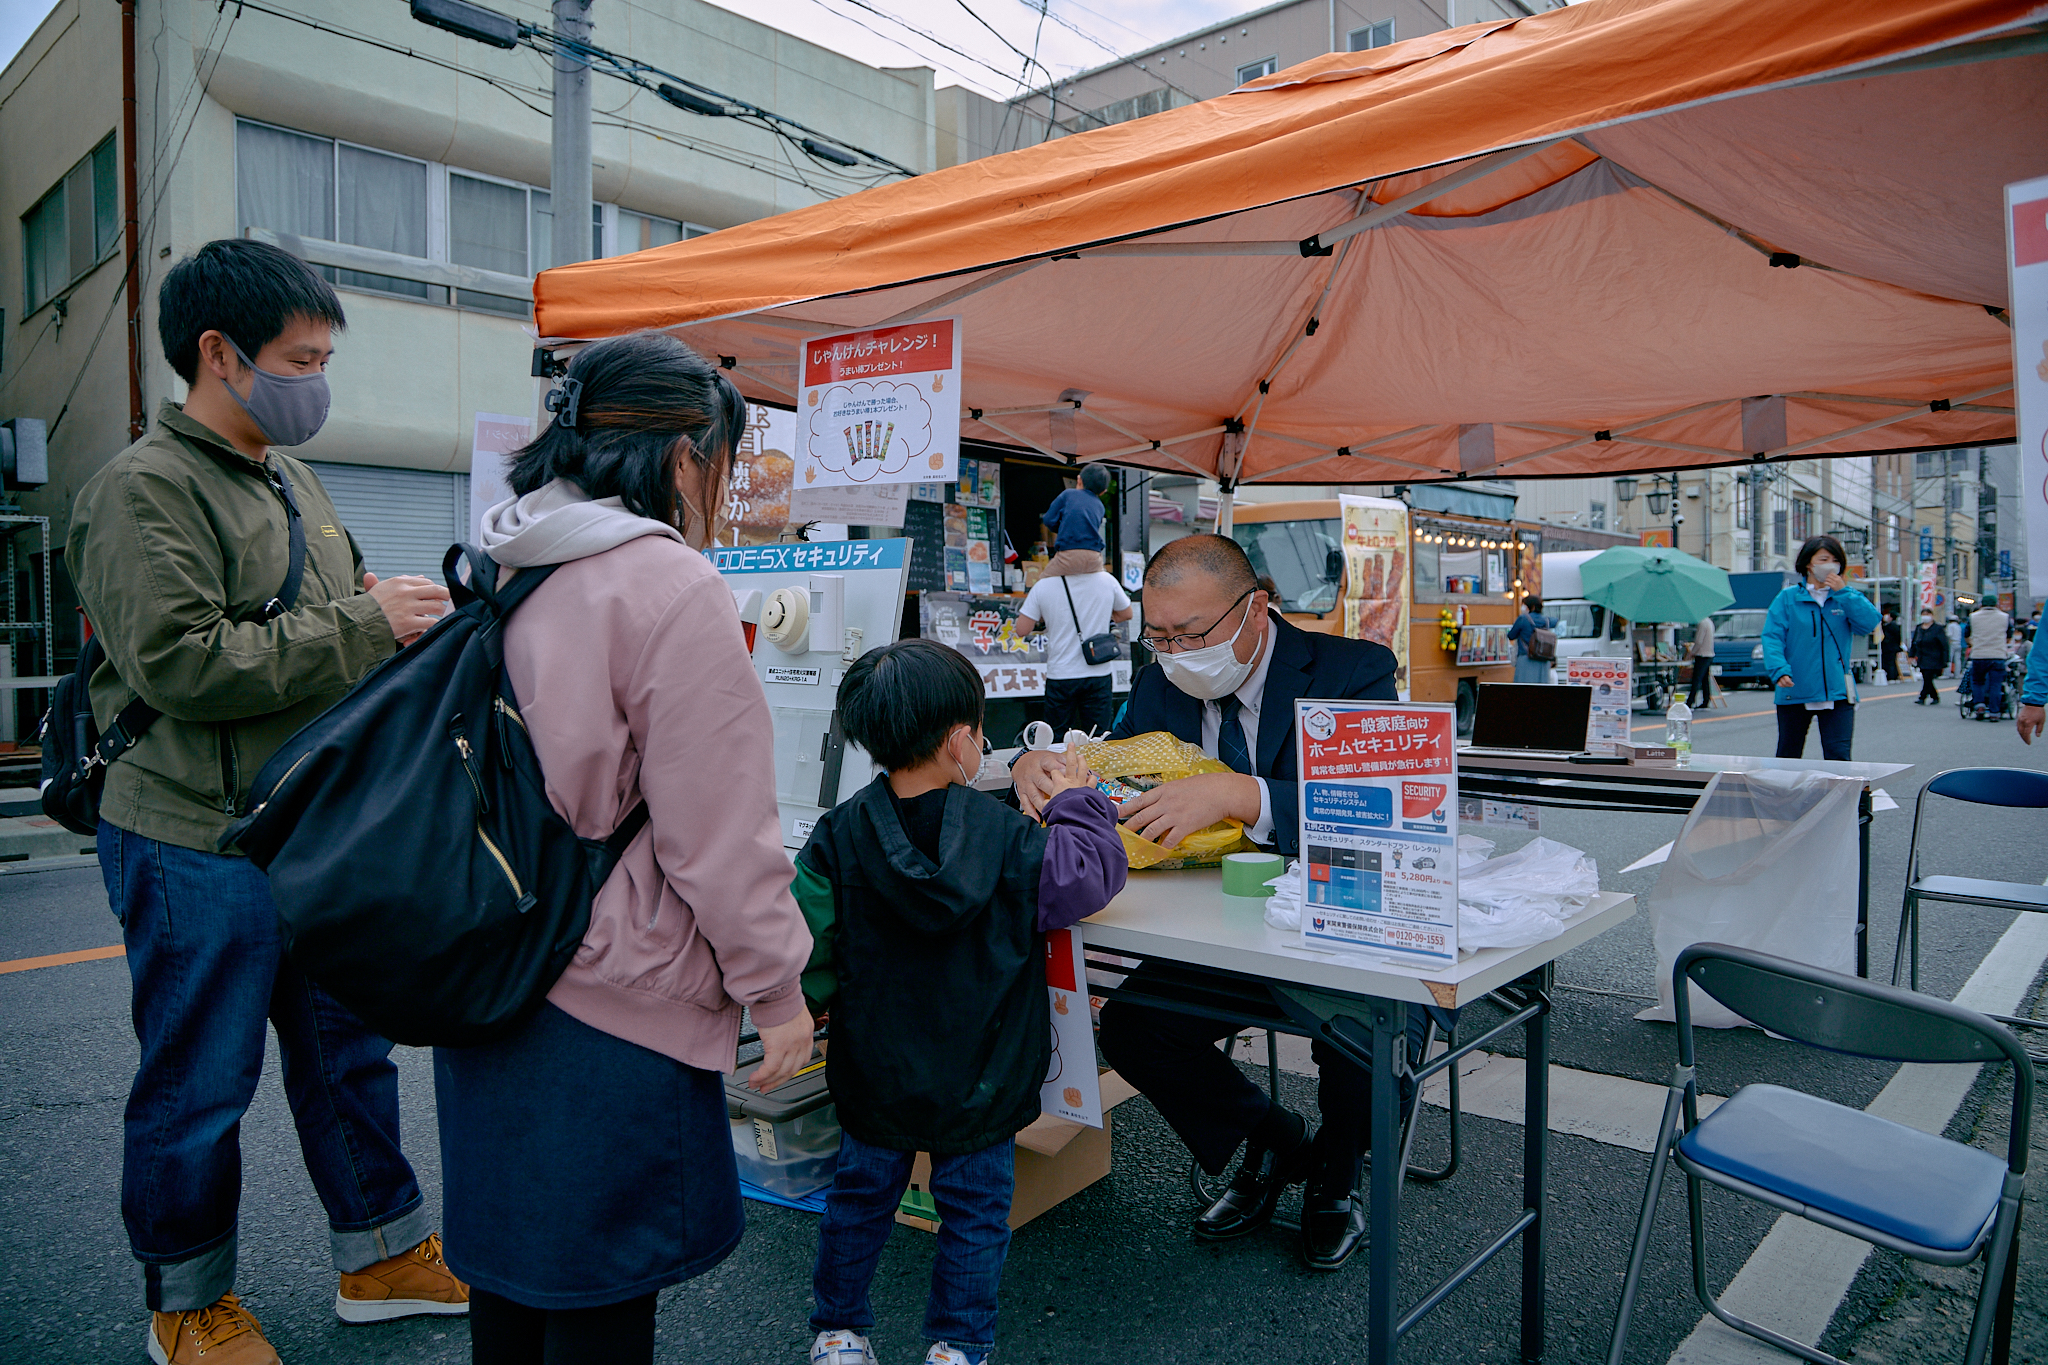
{"x":1095,"y":479}
{"x":1813,"y":546}
{"x":247,"y":291}
{"x":1534,"y":604}
{"x":643,"y":401}
{"x":900,"y":702}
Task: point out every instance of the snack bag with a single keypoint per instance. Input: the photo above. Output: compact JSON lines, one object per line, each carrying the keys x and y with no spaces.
{"x":1142,"y":762}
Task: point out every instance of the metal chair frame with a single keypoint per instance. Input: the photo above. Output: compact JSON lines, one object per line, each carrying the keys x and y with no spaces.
{"x":1844,"y":1014}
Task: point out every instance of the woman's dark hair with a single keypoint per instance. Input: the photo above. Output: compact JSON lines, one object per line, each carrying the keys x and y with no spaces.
{"x":247,"y":291}
{"x":900,"y":702}
{"x":641,"y":403}
{"x":1095,"y":479}
{"x":1813,"y":546}
{"x":1534,"y":604}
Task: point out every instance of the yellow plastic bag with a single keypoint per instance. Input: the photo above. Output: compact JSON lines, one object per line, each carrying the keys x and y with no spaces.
{"x":1158,"y":757}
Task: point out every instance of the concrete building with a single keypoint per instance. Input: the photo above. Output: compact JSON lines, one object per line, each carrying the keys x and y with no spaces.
{"x":413,"y":166}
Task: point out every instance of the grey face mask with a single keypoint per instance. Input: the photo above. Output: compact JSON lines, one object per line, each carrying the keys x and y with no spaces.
{"x":287,"y":409}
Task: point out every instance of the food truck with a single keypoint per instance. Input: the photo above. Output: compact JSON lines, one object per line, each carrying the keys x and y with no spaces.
{"x":1447,"y":583}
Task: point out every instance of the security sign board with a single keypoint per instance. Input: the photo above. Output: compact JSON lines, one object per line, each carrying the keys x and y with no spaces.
{"x":1379,"y":828}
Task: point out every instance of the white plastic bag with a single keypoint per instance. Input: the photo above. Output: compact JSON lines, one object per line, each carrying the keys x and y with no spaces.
{"x":1522,"y":897}
{"x":1283,"y":907}
{"x":1766,"y":860}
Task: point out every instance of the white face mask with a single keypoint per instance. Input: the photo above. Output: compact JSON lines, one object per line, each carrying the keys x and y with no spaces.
{"x":1820,"y":569}
{"x":1213,"y":670}
{"x":953,"y":753}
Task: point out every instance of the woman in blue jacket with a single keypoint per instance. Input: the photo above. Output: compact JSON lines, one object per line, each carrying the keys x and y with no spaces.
{"x":1806,"y":648}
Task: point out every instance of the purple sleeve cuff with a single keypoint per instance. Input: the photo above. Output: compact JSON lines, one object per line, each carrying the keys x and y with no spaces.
{"x":1085,"y":864}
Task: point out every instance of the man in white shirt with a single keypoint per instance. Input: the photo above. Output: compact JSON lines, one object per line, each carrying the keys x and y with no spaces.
{"x":1072,"y":608}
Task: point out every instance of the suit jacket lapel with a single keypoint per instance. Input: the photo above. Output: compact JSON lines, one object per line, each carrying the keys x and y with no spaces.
{"x":1286,"y":682}
{"x":1183,"y":713}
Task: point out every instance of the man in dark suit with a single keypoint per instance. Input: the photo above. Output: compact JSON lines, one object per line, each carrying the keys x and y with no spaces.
{"x":1228,"y":674}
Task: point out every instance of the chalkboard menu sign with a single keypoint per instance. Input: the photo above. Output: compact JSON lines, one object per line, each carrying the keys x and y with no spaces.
{"x":924,"y":523}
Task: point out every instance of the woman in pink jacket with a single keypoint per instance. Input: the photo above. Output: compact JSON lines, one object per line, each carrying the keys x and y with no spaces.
{"x":586,"y":1160}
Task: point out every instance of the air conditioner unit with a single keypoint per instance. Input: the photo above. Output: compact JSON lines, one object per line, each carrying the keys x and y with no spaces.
{"x":24,"y":452}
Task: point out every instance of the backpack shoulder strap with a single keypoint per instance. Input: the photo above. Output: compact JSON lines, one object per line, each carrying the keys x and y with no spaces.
{"x":129,"y":726}
{"x":295,"y":571}
{"x":482,"y":583}
{"x":628,"y":830}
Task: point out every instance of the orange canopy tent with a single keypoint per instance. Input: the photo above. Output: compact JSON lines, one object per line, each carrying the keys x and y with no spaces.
{"x":1631,"y":234}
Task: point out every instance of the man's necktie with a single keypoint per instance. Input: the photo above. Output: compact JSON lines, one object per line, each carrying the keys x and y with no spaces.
{"x":1230,"y":745}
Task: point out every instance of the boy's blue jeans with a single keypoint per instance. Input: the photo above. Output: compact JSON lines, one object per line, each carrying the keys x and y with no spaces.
{"x":208,"y":970}
{"x":973,"y":1195}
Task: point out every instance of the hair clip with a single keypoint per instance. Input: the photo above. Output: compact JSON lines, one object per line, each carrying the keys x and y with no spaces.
{"x":562,"y":401}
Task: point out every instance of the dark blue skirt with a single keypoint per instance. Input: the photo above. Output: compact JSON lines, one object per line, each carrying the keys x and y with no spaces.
{"x":580,"y":1170}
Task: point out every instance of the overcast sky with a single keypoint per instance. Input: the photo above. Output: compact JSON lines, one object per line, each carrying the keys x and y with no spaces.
{"x":1069,"y":36}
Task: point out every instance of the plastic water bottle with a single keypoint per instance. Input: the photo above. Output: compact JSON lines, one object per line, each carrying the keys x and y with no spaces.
{"x":1678,"y":731}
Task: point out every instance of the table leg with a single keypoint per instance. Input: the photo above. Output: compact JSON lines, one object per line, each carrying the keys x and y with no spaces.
{"x":1383,"y":1216}
{"x":1535,"y":1163}
{"x":1863,"y":818}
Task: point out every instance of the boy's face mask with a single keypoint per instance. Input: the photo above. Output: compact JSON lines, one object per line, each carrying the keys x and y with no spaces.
{"x":287,"y":409}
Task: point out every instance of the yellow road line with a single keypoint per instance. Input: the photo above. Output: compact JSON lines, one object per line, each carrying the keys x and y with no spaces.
{"x":29,"y":964}
{"x":1751,"y":715}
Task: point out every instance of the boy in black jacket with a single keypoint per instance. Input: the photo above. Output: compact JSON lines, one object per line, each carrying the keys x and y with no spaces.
{"x":929,"y":901}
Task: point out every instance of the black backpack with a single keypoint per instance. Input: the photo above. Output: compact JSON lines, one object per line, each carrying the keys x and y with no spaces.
{"x":76,"y":754}
{"x":422,"y":876}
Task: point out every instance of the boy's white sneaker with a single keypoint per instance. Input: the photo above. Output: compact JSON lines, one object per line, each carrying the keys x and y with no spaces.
{"x":943,"y":1354}
{"x":841,"y":1347}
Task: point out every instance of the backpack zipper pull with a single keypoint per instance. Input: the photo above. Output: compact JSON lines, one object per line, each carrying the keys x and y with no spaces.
{"x":462,"y":747}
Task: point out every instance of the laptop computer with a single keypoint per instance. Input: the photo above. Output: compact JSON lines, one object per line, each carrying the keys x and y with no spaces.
{"x":1530,"y":720}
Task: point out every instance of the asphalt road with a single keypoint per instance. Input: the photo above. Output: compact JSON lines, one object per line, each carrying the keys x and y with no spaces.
{"x":1109,"y":1276}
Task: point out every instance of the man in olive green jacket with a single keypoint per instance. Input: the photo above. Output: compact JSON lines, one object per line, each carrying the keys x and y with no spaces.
{"x":178,"y":548}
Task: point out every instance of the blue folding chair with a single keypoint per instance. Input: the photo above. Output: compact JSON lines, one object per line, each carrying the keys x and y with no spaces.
{"x":2014,"y":788}
{"x":1897,"y":1187}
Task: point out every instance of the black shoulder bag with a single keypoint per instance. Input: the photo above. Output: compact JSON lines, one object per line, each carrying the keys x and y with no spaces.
{"x":1095,"y":649}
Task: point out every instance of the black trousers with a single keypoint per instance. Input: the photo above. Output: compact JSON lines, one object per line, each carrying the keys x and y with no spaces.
{"x":1079,"y":704}
{"x":1701,"y":692}
{"x":502,"y":1332}
{"x":1173,"y":1060}
{"x":1928,"y":692}
{"x":1837,"y":730}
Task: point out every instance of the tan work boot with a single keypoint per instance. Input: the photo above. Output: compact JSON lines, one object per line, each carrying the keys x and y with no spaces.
{"x":418,"y":1281}
{"x":222,"y":1333}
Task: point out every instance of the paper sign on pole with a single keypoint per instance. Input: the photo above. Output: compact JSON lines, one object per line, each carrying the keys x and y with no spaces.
{"x":1612,"y":681}
{"x":1376,"y":572}
{"x":2026,"y":226}
{"x":878,"y":504}
{"x":1073,"y":1087}
{"x":1379,"y":809}
{"x":490,"y":450}
{"x":881,"y":405}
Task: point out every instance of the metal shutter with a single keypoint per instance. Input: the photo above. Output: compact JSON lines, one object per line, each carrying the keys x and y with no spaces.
{"x":404,"y":520}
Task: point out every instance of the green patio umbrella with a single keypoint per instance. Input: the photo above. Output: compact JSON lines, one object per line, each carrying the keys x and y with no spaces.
{"x":1652,"y":583}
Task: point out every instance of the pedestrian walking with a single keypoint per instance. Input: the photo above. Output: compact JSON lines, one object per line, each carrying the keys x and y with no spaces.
{"x":1929,"y":652}
{"x":586,"y":1158}
{"x":1806,"y":649}
{"x":1073,"y":525}
{"x":1957,"y":634}
{"x":931,"y":900}
{"x":1990,"y":630}
{"x":1889,"y":640}
{"x":1535,"y":637}
{"x":182,"y":552}
{"x":1701,"y":693}
{"x":1073,"y":609}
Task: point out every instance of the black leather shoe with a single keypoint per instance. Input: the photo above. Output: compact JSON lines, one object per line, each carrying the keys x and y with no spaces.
{"x":1248,"y":1204}
{"x":1332,"y":1227}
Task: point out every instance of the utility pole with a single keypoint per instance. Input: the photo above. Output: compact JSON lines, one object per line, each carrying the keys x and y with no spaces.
{"x":1948,"y":530}
{"x":569,"y":172}
{"x":1756,"y":518}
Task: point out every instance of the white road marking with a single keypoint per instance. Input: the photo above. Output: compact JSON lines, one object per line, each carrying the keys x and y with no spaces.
{"x":1800,"y":1273}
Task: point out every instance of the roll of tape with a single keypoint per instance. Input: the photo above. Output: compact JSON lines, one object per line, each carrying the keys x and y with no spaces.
{"x":1246,"y":874}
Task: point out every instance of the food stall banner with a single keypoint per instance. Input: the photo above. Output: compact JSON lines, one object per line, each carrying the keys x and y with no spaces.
{"x":985,"y":630}
{"x":881,"y":405}
{"x":495,"y":437}
{"x":758,"y":497}
{"x":1332,"y":246}
{"x":1376,"y":595}
{"x":1379,"y":829}
{"x":2026,"y":225}
{"x":1073,"y":1086}
{"x":1613,"y":682}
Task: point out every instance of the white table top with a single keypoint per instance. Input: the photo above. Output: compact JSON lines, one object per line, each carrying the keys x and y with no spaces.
{"x":1703,"y":766}
{"x":1185,"y":917}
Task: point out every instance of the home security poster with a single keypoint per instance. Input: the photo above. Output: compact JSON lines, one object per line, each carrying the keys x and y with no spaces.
{"x":881,"y":406}
{"x":1073,"y":1087}
{"x":1379,"y":829}
{"x":1612,"y":681}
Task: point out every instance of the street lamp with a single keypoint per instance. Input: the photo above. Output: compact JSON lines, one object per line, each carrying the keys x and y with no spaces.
{"x":1655,"y":497}
{"x":1625,"y":488}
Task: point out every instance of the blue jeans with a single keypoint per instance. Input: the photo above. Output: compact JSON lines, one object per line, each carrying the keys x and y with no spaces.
{"x":1987,"y":683}
{"x":208,"y":969}
{"x":973,"y":1195}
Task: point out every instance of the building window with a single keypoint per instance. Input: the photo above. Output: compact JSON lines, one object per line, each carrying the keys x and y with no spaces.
{"x":72,"y":228}
{"x":1596,"y":515}
{"x":1777,"y":523}
{"x":1252,"y":71}
{"x":1891,"y":533}
{"x":1742,"y":504}
{"x":1372,"y":35}
{"x":1802,"y":520}
{"x":488,"y":223}
{"x":335,"y":192}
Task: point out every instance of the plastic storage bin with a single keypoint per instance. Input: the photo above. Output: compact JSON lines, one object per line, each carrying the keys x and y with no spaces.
{"x":786,"y":1141}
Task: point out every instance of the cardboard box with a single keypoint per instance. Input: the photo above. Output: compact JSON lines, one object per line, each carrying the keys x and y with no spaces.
{"x":1056,"y":1160}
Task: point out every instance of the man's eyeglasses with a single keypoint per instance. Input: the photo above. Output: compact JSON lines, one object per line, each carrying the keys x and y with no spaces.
{"x":1182,"y":643}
